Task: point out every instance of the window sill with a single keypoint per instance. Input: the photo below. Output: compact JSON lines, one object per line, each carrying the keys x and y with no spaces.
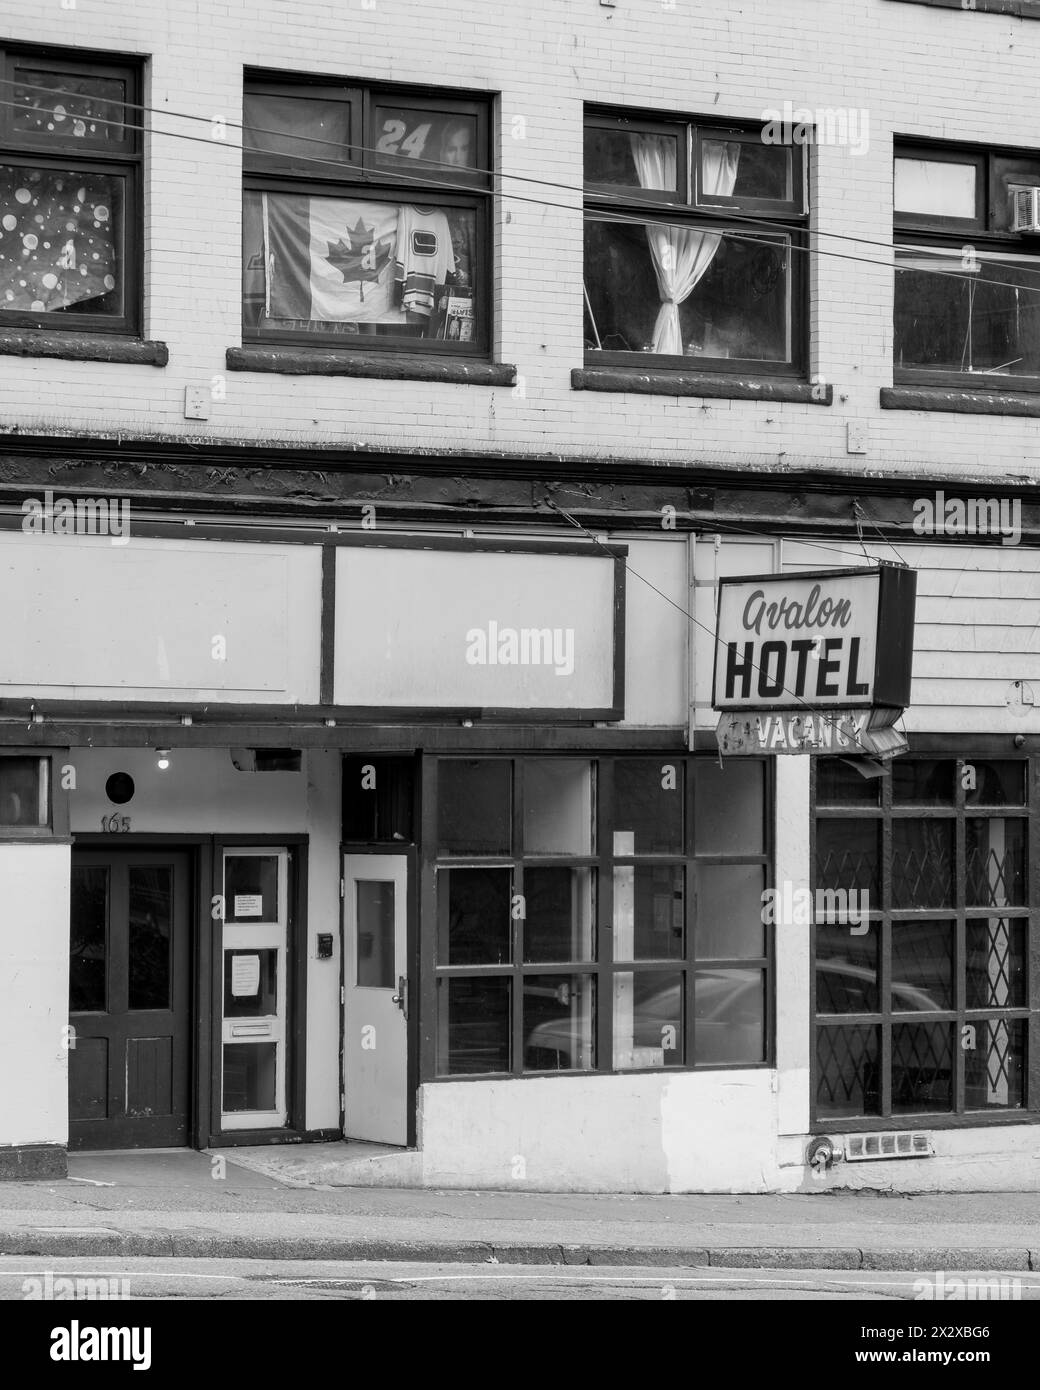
{"x":337,"y":362}
{"x":958,"y":401}
{"x":81,"y":347}
{"x":1021,"y":9}
{"x":670,"y":383}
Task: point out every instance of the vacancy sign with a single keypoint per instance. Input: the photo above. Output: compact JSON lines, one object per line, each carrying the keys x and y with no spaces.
{"x":826,"y":641}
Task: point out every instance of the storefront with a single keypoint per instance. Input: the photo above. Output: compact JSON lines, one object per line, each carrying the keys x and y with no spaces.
{"x":426,"y":840}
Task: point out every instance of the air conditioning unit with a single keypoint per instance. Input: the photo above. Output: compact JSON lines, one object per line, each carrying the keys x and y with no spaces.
{"x":859,"y":1148}
{"x":1025,"y":206}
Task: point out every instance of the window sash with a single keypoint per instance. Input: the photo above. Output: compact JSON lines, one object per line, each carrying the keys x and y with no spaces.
{"x":12,"y":59}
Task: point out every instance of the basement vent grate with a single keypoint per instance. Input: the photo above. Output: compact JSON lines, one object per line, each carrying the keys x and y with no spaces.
{"x":902,"y":1145}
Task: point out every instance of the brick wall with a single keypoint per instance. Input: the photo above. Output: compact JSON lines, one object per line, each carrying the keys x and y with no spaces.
{"x":934,"y":73}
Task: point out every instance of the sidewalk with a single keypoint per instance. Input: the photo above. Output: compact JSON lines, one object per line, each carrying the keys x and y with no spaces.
{"x":175,"y":1203}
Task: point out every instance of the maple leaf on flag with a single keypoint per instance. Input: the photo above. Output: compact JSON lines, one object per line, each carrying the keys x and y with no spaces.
{"x":360,"y":257}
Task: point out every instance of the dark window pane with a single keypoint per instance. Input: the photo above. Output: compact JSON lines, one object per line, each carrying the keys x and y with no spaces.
{"x":762,"y":171}
{"x":648,"y":912}
{"x":729,"y":811}
{"x":472,"y":1026}
{"x":922,"y":1067}
{"x":648,"y":806}
{"x":151,"y":913}
{"x":847,"y":1070}
{"x":88,"y":942}
{"x":251,"y":985}
{"x":559,"y":806}
{"x":474,"y":806}
{"x":730,"y":910}
{"x":995,"y":1064}
{"x":559,"y":922}
{"x":729,"y":1016}
{"x":917,"y":783}
{"x":23,"y":792}
{"x":559,"y":1022}
{"x":611,"y":158}
{"x":847,"y":970}
{"x":648,"y":1019}
{"x":61,"y":241}
{"x":378,"y":799}
{"x":847,"y":856}
{"x":728,"y":298}
{"x":996,"y":783}
{"x":312,"y":133}
{"x":952,"y":318}
{"x":922,"y":966}
{"x":474,"y":926}
{"x":838,"y":784}
{"x":922,"y":862}
{"x":376,"y":966}
{"x":251,"y":888}
{"x":427,"y":143}
{"x":996,"y":967}
{"x":80,"y":108}
{"x":349,"y":267}
{"x":250,"y":1075}
{"x":995,"y":851}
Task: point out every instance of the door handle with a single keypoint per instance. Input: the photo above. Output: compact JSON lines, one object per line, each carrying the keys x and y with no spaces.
{"x":401,"y":997}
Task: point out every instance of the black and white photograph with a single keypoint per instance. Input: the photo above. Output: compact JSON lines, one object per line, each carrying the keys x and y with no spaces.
{"x":519,"y":675}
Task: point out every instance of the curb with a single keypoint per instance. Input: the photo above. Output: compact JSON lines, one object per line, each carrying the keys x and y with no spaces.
{"x":167,"y":1244}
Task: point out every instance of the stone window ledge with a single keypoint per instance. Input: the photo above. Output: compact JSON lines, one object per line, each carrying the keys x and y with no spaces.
{"x":670,"y":383}
{"x":384,"y":366}
{"x":959,"y":402}
{"x":81,"y":347}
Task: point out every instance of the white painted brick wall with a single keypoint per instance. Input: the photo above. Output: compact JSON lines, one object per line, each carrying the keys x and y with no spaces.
{"x":917,"y":71}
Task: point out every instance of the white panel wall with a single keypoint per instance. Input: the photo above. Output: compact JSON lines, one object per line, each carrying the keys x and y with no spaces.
{"x":34,"y":993}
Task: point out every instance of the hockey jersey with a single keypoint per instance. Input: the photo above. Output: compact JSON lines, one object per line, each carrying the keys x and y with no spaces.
{"x":424,"y":256}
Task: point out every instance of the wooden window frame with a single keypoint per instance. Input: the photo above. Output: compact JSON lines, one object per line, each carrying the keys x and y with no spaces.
{"x":603,"y":967}
{"x":952,"y":235}
{"x":41,"y":152}
{"x":686,"y":208}
{"x":361,"y":177}
{"x":959,"y":913}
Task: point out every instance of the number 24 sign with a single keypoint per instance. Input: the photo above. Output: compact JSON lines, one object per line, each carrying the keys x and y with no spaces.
{"x":395,"y":139}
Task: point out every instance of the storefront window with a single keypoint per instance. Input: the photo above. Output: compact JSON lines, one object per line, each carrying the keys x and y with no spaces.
{"x":921,"y":1005}
{"x":601,"y":920}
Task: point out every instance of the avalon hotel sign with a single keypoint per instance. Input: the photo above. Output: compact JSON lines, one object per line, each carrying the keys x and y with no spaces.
{"x":814,"y":663}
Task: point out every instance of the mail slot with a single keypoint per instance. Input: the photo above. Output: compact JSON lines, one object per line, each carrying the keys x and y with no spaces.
{"x":251,"y":1030}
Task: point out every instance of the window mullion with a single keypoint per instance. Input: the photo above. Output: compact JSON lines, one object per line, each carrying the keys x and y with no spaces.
{"x":885,"y":962}
{"x":605,"y":916}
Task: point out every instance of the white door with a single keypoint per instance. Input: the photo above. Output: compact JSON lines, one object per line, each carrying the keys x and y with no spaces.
{"x":375,"y":997}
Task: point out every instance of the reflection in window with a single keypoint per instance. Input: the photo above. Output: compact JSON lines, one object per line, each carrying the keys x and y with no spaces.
{"x":474,"y":806}
{"x":922,"y":966}
{"x":474,"y":925}
{"x":649,"y":910}
{"x":308,"y":129}
{"x":729,"y":1016}
{"x":150,"y":913}
{"x":250,"y":1074}
{"x":473,"y":1025}
{"x":730,"y":911}
{"x":648,"y":800}
{"x":846,"y":970}
{"x":88,"y":945}
{"x":729,"y":806}
{"x":559,"y":920}
{"x":558,"y":806}
{"x":648,"y":1019}
{"x":559,"y":1022}
{"x":24,"y":792}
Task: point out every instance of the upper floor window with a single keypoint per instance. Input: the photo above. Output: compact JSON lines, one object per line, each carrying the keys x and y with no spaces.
{"x":694,"y":246}
{"x":365,"y":218}
{"x":967,"y":290}
{"x":69,"y":192}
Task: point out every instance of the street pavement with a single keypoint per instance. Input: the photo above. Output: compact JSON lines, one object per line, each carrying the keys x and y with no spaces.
{"x":188,"y":1205}
{"x":323,"y":1280}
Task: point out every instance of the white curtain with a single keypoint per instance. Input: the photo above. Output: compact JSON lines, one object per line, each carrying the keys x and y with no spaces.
{"x":681,"y":255}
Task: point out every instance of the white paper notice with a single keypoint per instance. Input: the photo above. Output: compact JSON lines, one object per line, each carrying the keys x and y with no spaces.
{"x":249,"y":905}
{"x":245,"y":976}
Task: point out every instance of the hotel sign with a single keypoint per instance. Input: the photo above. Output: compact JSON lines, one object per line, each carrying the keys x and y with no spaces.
{"x":814,"y":662}
{"x":833,"y":639}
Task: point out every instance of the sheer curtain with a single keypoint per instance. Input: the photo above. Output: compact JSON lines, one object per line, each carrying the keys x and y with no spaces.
{"x":681,"y":255}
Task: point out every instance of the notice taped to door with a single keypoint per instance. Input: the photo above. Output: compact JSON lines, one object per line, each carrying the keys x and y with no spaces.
{"x":245,"y":976}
